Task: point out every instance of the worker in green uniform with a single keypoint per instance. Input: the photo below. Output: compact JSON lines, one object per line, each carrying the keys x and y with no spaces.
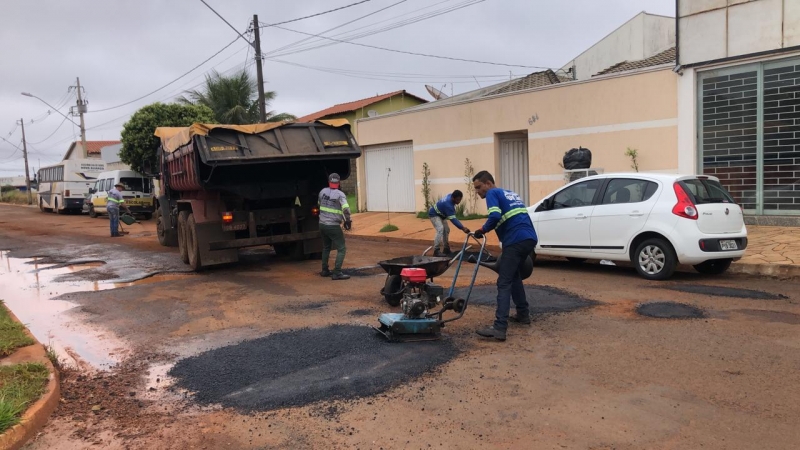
{"x":333,"y":212}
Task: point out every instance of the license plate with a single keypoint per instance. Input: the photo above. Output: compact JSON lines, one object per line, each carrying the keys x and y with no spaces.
{"x":729,"y":244}
{"x":235,"y":227}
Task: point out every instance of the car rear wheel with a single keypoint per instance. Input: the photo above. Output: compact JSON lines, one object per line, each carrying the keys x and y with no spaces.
{"x":655,"y":259}
{"x":713,"y":266}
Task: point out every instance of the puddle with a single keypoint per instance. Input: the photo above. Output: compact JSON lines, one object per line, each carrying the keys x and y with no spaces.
{"x":542,"y":299}
{"x":670,"y":310}
{"x":300,"y":367}
{"x":29,"y":288}
{"x":719,"y":291}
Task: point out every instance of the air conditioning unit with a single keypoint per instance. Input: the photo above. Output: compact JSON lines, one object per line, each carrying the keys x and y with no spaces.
{"x":577,"y":174}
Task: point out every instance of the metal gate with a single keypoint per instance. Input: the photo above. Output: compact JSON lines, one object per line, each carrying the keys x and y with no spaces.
{"x":390,"y":177}
{"x":514,"y":173}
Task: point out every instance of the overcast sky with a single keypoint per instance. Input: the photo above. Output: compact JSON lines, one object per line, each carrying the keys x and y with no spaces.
{"x":122,"y":50}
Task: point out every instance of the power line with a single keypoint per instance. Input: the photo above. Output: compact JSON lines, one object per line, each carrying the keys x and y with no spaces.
{"x":223,"y":19}
{"x":51,"y":134}
{"x":312,"y":15}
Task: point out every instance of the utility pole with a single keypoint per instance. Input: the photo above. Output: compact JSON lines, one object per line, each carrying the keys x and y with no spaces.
{"x":262,"y":106}
{"x":25,"y":155}
{"x":81,"y":110}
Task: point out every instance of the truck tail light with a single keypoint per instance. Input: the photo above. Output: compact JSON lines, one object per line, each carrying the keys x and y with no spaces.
{"x":685,"y":207}
{"x":66,"y":193}
{"x":315,"y":211}
{"x":227,"y":217}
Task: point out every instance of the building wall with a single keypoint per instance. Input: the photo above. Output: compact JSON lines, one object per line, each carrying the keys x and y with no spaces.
{"x":606,"y":115}
{"x":717,"y":29}
{"x":641,"y":37}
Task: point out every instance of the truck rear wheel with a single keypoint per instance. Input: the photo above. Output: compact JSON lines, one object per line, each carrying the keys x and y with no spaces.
{"x":193,"y":246}
{"x":182,"y":247}
{"x":166,"y":236}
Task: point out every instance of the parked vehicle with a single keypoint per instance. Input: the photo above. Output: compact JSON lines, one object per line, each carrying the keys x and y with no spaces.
{"x":225,"y":187}
{"x":137,"y":192}
{"x":63,"y":186}
{"x":654,"y":221}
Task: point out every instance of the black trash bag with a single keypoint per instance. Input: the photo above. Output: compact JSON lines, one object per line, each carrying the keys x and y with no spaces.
{"x":578,"y":158}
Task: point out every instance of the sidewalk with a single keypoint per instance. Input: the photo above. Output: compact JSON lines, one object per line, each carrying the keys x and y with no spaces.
{"x":772,"y":251}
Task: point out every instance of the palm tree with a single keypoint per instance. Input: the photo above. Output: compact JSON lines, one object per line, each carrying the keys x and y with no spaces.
{"x":234,"y":99}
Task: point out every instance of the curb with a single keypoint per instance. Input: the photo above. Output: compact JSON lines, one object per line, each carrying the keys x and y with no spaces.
{"x":36,"y":416}
{"x":399,"y":240}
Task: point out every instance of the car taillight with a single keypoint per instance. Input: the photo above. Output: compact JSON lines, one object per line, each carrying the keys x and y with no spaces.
{"x":685,"y":207}
{"x":315,"y":211}
{"x":227,"y":217}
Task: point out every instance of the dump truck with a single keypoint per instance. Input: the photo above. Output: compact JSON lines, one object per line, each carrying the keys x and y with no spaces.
{"x":227,"y":187}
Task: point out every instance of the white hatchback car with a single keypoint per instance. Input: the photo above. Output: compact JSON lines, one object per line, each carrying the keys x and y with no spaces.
{"x":654,"y":221}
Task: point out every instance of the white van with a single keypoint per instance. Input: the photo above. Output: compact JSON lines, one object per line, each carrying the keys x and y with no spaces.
{"x":138,"y":192}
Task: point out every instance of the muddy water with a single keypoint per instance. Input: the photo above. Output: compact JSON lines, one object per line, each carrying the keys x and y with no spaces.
{"x":29,"y":288}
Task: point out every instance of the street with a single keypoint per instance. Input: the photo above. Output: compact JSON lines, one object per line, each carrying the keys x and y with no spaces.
{"x":266,"y":354}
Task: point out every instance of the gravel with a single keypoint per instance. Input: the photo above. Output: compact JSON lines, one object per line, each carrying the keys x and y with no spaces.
{"x":297,"y":368}
{"x":670,"y":310}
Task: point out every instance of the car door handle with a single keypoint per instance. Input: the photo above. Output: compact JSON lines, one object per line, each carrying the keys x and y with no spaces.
{"x":580,"y":217}
{"x":636,"y":214}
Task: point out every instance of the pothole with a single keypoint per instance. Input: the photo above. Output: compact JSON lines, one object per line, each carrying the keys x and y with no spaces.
{"x":543,"y":299}
{"x":720,"y":291}
{"x":670,"y":310}
{"x":300,"y":367}
{"x":772,"y":316}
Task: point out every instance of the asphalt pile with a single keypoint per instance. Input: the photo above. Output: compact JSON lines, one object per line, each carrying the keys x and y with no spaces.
{"x":543,"y":299}
{"x":670,"y":310}
{"x":300,"y":367}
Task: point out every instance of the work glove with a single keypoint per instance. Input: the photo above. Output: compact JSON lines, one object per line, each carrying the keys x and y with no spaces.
{"x":465,"y":230}
{"x":478,"y":233}
{"x":348,"y":224}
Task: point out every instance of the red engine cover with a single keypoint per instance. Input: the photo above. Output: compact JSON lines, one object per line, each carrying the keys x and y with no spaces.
{"x":414,"y":275}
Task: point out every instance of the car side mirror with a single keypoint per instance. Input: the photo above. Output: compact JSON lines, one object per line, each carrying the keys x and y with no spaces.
{"x":548,"y":203}
{"x":92,"y":190}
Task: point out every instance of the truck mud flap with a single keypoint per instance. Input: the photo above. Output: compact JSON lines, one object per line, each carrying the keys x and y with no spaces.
{"x":211,"y":232}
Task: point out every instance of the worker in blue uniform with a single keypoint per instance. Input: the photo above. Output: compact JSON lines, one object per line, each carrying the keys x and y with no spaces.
{"x":440,"y":213}
{"x":508,"y":216}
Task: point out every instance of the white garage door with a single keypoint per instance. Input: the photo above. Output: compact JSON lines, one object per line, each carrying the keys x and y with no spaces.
{"x":391,"y":166}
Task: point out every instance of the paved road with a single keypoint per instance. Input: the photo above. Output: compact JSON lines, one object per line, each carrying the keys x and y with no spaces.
{"x":589,"y":373}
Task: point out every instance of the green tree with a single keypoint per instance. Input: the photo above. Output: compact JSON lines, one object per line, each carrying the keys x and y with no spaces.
{"x":139,"y":145}
{"x":233,"y":99}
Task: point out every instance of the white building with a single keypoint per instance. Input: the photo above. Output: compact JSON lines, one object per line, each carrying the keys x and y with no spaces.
{"x":738,"y":101}
{"x":110,"y":154}
{"x":93,"y":149}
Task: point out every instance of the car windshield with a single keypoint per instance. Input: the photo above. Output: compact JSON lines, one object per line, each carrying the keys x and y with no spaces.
{"x":705,"y":190}
{"x":136,"y":184}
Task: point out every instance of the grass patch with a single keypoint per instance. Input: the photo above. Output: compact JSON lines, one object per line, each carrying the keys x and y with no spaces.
{"x":20,"y":385}
{"x":472,"y":217}
{"x":15,"y":198}
{"x":353,"y":202}
{"x":52,"y":356}
{"x":12,"y":333}
{"x":423,"y":215}
{"x":388,"y":228}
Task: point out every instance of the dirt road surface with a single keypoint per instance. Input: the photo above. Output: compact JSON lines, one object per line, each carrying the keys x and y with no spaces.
{"x":265,"y":354}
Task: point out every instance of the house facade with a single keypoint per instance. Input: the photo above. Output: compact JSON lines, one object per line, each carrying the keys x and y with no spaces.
{"x":93,"y":149}
{"x":739,"y":66}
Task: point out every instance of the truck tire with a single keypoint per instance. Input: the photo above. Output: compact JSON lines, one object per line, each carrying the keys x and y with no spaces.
{"x":296,"y":251}
{"x":166,"y":236}
{"x":182,"y":247}
{"x":193,"y":246}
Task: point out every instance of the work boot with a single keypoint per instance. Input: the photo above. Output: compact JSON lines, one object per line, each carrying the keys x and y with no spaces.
{"x":340,"y":276}
{"x":438,"y":254}
{"x":492,"y":332}
{"x":522,"y":320}
{"x":325,"y":273}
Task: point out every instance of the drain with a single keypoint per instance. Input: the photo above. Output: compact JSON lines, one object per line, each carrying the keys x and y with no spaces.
{"x":670,"y":310}
{"x":719,"y":291}
{"x":543,"y":299}
{"x":300,"y":367}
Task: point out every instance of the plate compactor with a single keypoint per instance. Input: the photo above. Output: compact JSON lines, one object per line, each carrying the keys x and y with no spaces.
{"x":421,"y":301}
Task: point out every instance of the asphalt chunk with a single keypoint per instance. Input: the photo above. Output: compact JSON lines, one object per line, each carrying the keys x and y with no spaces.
{"x":543,"y":299}
{"x":719,"y":291}
{"x":301,"y":367}
{"x":670,"y":310}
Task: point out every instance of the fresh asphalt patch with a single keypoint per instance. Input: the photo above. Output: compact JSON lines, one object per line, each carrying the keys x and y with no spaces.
{"x":670,"y":310}
{"x":771,"y":316}
{"x":362,"y":312}
{"x":720,"y":291}
{"x":300,"y":367}
{"x":543,"y":299}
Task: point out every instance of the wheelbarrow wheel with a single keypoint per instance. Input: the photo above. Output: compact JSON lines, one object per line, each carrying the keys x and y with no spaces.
{"x":393,"y":290}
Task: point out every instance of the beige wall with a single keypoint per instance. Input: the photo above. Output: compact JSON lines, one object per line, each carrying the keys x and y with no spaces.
{"x":606,"y":115}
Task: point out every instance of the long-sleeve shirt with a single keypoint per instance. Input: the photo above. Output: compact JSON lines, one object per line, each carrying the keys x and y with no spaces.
{"x":509,"y":216}
{"x":446,"y":209}
{"x":333,"y":207}
{"x":115,"y":199}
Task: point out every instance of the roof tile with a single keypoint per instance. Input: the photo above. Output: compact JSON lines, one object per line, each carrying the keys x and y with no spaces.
{"x":353,"y":106}
{"x":665,"y":57}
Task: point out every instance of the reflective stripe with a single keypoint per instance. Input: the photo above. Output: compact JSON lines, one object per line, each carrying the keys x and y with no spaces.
{"x":345,"y":206}
{"x":451,"y":217}
{"x":511,"y":214}
{"x":436,"y":208}
{"x":330,"y":210}
{"x":116,"y":201}
{"x":495,"y":209}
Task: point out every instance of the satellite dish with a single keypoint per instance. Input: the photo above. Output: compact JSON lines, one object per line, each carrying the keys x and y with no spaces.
{"x":372,"y":113}
{"x":437,"y":94}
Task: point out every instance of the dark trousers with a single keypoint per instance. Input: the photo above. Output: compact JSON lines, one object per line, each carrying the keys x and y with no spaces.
{"x":113,"y":218}
{"x":332,"y":237}
{"x":509,"y":283}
